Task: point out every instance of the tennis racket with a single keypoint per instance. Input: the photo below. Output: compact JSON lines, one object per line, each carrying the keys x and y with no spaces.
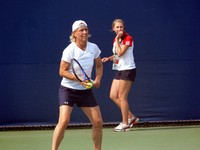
{"x":79,"y":72}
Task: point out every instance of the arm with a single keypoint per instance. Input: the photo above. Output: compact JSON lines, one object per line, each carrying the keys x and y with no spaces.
{"x":121,"y":49}
{"x":105,"y":59}
{"x":63,"y":71}
{"x":64,"y":66}
{"x":99,"y":72}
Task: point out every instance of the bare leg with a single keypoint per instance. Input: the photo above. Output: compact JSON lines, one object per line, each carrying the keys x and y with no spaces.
{"x":94,"y":115}
{"x":119,"y":94}
{"x":124,"y":89}
{"x":64,"y":118}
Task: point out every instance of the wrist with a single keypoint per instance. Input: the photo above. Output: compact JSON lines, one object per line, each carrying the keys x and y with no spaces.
{"x":117,"y":39}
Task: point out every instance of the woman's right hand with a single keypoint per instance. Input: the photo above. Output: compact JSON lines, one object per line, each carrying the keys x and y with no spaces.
{"x":105,"y":59}
{"x":119,"y":34}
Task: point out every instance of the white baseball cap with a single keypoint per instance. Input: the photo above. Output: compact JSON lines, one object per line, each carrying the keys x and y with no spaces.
{"x":77,"y":24}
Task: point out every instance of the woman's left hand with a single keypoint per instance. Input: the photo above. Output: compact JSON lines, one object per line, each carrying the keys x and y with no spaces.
{"x":96,"y":84}
{"x":105,"y":59}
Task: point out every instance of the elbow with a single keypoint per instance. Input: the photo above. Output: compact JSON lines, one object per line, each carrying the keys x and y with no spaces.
{"x":119,"y":55}
{"x":99,"y":67}
{"x":61,"y":73}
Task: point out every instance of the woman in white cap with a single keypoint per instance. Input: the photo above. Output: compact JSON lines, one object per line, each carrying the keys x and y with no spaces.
{"x":72,"y":91}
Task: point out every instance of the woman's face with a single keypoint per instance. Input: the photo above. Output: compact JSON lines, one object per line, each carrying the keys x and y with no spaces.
{"x":118,"y":27}
{"x":81,"y":34}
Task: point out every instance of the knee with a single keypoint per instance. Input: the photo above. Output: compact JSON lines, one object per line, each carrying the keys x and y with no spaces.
{"x":112,"y":97}
{"x":98,"y":123}
{"x":63,"y":123}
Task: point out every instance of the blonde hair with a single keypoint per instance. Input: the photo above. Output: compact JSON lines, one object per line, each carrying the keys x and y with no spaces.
{"x":72,"y":38}
{"x":117,"y":20}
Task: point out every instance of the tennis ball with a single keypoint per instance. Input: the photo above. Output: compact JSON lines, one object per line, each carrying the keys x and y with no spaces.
{"x":89,"y":85}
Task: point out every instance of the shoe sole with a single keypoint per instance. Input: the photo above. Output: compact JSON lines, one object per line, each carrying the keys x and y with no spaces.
{"x":135,"y":121}
{"x":121,"y":130}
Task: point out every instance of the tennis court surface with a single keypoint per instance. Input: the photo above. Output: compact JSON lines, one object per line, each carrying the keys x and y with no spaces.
{"x":139,"y":138}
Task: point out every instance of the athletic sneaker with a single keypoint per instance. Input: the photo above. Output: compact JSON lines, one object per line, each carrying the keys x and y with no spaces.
{"x":132,"y":121}
{"x":121,"y":127}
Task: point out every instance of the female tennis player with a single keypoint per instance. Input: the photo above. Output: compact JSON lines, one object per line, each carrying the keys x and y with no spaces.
{"x":123,"y":62}
{"x":72,"y":91}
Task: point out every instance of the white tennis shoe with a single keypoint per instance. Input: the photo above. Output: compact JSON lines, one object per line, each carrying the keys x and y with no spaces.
{"x":132,"y":121}
{"x":122,"y":127}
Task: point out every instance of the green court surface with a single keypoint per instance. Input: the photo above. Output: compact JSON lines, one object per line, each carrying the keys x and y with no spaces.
{"x":151,"y":138}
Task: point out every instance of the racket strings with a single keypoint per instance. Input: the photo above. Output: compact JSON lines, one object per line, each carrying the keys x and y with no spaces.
{"x":78,"y":71}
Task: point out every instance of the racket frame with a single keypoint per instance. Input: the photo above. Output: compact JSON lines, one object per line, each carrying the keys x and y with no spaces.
{"x":73,"y":69}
